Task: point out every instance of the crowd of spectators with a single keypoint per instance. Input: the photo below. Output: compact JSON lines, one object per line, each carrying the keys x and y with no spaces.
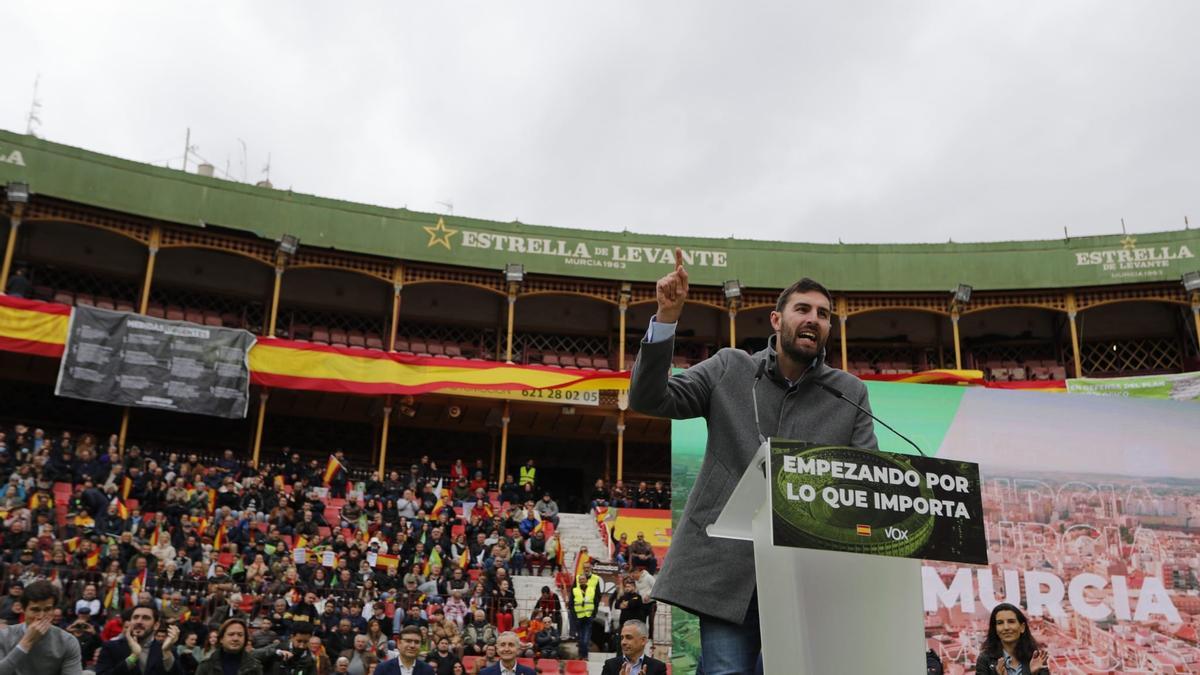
{"x":620,"y":495}
{"x":317,"y":573}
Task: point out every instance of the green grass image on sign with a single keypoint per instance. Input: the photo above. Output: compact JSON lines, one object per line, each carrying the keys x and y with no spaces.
{"x":875,"y":503}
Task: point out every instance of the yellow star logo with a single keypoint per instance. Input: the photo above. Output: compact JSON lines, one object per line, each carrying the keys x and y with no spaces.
{"x":439,"y":234}
{"x":1128,"y":242}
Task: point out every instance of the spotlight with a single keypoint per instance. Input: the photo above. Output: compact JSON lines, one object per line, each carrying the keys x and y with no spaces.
{"x":1191,"y":281}
{"x":18,"y":193}
{"x":514,"y":273}
{"x":289,"y":244}
{"x":962,"y":294}
{"x":733,"y":289}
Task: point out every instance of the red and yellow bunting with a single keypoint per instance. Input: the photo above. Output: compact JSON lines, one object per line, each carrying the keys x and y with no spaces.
{"x":303,"y":365}
{"x":40,"y":328}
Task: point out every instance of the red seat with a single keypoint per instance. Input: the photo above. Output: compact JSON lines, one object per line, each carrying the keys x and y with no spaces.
{"x":175,"y":313}
{"x":156,"y":310}
{"x":124,"y":306}
{"x":547,"y":666}
{"x":64,"y":298}
{"x":355,"y":338}
{"x":583,"y":361}
{"x":457,"y":529}
{"x":454,"y":351}
{"x":402,"y":346}
{"x":105,"y":302}
{"x":84,"y":299}
{"x":301,"y":331}
{"x":193,"y":315}
{"x":320,"y":334}
{"x":337,"y":336}
{"x":374,"y":341}
{"x":468,"y":662}
{"x":528,"y":663}
{"x":212,"y":319}
{"x":567,"y":361}
{"x":550,"y":359}
{"x":230,"y":320}
{"x":436,"y":349}
{"x":419,"y":347}
{"x":574,"y":667}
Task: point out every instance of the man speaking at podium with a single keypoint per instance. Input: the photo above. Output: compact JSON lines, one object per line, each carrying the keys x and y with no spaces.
{"x":711,"y":577}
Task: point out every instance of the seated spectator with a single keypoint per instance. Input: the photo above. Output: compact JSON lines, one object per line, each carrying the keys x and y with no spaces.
{"x":641,"y":554}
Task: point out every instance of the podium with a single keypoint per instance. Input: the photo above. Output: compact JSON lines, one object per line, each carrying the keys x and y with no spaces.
{"x":825,"y":612}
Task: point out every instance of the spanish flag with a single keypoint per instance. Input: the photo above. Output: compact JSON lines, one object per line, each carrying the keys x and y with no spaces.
{"x":487,"y":507}
{"x":138,"y":583}
{"x":93,"y":559}
{"x":219,"y":539}
{"x":301,"y":541}
{"x":438,"y":507}
{"x":558,"y":551}
{"x":122,"y":510}
{"x":154,"y":537}
{"x":331,"y":469}
{"x":126,"y":486}
{"x":863,"y":530}
{"x":582,"y":558}
{"x":110,"y":597}
{"x":464,"y":558}
{"x":541,"y":527}
{"x":386,"y":560}
{"x":71,"y":544}
{"x":279,"y":484}
{"x":212,"y":500}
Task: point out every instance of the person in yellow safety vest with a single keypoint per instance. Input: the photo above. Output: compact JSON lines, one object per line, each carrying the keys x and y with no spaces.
{"x":585,"y":598}
{"x":528,"y":475}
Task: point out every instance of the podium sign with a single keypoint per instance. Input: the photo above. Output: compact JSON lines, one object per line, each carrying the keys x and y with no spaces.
{"x":877,"y":503}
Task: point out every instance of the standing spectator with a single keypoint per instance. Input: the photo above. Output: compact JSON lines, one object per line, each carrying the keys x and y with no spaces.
{"x":18,"y":284}
{"x":585,"y":599}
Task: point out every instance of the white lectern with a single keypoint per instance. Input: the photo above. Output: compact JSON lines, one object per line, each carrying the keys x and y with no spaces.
{"x":825,"y":612}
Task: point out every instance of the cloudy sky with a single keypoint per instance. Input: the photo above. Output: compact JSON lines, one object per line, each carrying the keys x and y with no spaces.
{"x":864,"y":122}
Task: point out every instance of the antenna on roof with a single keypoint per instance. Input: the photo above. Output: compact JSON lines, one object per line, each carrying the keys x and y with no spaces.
{"x":267,"y":169}
{"x":1066,"y":236}
{"x":1186,"y":226}
{"x":188,"y":148}
{"x":243,"y":159}
{"x":1123,"y":226}
{"x":449,"y":206}
{"x":34,"y":106}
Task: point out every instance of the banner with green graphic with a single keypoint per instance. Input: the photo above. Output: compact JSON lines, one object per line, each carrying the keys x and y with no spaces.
{"x":1086,"y":501}
{"x":1179,"y":387}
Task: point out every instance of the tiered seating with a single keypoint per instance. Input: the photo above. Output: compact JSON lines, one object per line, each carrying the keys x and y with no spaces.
{"x":1031,"y":369}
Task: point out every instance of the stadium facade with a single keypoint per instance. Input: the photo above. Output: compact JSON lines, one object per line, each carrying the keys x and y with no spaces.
{"x":94,"y":229}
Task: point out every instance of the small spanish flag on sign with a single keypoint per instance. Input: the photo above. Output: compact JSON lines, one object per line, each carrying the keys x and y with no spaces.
{"x":331,"y":468}
{"x":863,"y":530}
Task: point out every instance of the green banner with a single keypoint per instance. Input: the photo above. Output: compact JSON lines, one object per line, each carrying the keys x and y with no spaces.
{"x":875,"y":503}
{"x":1181,"y":387}
{"x":174,"y":196}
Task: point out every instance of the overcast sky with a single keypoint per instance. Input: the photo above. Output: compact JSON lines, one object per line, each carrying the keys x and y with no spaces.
{"x":865,"y":122}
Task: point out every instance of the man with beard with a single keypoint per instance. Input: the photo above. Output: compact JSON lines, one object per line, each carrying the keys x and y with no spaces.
{"x":136,"y":650}
{"x":713,"y":577}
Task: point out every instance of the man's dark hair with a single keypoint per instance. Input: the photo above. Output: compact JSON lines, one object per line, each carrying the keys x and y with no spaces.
{"x":410,"y":630}
{"x":40,"y":590}
{"x":803,"y":286}
{"x":145,"y":605}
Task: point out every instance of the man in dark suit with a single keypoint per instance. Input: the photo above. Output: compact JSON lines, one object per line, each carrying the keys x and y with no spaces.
{"x":408,"y":662}
{"x":135,"y":651}
{"x":634,"y":660}
{"x":508,"y":647}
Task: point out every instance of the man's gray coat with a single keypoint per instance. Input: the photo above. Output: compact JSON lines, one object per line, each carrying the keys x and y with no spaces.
{"x":714,"y":576}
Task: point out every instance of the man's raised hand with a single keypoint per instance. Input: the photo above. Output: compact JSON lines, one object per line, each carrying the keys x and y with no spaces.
{"x":671,"y":292}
